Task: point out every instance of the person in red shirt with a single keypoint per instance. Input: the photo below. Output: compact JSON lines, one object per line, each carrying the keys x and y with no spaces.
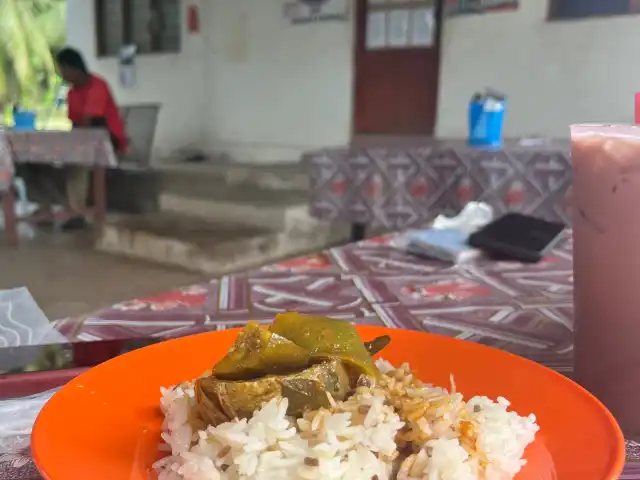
{"x":90,"y":105}
{"x":90,"y":102}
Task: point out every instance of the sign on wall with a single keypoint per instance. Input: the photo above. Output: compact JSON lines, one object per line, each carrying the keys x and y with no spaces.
{"x":466,"y":7}
{"x":309,"y":11}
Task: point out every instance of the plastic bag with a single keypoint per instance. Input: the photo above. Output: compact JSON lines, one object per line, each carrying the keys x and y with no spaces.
{"x":22,"y":322}
{"x":23,"y":208}
{"x":450,"y":245}
{"x":17,"y":418}
{"x":33,"y":326}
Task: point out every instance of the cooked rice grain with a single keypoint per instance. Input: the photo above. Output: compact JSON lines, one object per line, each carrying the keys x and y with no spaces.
{"x":358,"y":439}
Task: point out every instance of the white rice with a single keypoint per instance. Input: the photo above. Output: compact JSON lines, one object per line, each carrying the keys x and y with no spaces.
{"x":357,"y":439}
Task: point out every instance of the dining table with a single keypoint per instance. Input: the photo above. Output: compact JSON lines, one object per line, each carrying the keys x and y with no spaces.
{"x":399,"y":184}
{"x":526,"y":309}
{"x":90,"y":148}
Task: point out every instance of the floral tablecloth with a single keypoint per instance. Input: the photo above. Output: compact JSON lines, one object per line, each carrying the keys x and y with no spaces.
{"x":86,"y":147}
{"x":396,"y":187}
{"x":525,"y":309}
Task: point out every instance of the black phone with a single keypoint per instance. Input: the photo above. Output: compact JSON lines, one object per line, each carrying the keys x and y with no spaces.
{"x":515,"y":236}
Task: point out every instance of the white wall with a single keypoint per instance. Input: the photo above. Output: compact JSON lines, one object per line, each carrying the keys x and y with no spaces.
{"x":250,"y":85}
{"x":256,"y":87}
{"x":555,"y":73}
{"x":277,"y":89}
{"x":274,"y":89}
{"x":175,"y":81}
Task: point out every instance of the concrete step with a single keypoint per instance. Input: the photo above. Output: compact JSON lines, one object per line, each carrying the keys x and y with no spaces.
{"x":218,"y":217}
{"x":198,"y":179}
{"x":258,"y":214}
{"x":211,"y":247}
{"x":262,"y":196}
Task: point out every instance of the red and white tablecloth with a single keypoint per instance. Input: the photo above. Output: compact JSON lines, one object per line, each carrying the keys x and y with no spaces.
{"x":86,"y":147}
{"x":525,"y":309}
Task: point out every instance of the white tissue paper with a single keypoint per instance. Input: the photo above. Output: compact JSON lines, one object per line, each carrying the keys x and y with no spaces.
{"x":473,"y":217}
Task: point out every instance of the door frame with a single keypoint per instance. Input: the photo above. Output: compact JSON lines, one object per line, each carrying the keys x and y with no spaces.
{"x":357,"y":52}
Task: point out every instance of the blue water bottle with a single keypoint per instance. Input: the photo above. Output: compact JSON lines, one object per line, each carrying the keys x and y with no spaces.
{"x":486,"y":120}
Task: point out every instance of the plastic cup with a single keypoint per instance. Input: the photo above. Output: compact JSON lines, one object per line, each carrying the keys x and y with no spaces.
{"x":606,"y":229}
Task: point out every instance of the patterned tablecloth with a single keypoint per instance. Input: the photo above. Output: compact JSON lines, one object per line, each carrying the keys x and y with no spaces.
{"x":78,"y":147}
{"x":402,"y":186}
{"x":525,"y":309}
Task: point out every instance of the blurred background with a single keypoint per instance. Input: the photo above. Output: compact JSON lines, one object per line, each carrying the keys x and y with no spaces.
{"x":30,"y":32}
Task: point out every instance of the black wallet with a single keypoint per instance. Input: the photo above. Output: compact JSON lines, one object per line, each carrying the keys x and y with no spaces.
{"x":517,"y":237}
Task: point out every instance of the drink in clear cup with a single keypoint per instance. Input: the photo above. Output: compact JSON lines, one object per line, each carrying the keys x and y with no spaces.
{"x":606,"y":229}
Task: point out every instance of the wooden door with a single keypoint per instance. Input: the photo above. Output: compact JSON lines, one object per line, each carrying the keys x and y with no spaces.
{"x":397,"y":59}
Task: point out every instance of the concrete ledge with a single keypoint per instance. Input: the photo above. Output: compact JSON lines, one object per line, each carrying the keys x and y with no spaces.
{"x":216,"y":256}
{"x":263,"y":216}
{"x":273,"y":176}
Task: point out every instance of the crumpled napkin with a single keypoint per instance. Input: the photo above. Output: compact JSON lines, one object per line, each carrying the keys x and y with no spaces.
{"x":473,"y":216}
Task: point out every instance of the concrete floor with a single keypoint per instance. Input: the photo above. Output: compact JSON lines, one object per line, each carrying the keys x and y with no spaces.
{"x":68,"y":278}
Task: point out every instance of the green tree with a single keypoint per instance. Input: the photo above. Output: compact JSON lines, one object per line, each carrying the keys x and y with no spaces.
{"x":29,"y":32}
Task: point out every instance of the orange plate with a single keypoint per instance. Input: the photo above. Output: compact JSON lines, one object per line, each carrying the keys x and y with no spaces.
{"x":105,"y":424}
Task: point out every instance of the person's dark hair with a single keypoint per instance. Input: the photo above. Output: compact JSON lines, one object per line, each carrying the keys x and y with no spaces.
{"x":72,"y":58}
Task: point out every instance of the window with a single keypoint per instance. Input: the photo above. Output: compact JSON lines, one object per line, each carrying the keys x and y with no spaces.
{"x":152,"y":25}
{"x":567,"y":9}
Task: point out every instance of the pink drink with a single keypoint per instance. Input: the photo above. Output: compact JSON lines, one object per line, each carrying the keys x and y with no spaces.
{"x":606,"y":226}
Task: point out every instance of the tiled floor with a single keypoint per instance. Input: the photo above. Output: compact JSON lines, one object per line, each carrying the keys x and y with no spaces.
{"x":68,"y":278}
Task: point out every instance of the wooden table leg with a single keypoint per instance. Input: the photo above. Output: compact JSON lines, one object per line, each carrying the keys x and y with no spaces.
{"x":10,"y":221}
{"x":100,"y":195}
{"x":358,"y":231}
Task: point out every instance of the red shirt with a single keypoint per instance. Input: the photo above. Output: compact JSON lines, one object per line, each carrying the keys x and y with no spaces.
{"x":94,"y":99}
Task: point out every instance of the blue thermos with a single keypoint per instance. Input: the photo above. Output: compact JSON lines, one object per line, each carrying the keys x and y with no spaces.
{"x":486,"y":120}
{"x":23,"y":119}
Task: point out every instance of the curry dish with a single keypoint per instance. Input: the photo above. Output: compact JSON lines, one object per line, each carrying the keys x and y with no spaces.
{"x":303,"y":399}
{"x":302,"y":358}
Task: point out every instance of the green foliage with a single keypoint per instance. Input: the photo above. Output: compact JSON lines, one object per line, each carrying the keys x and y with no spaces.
{"x":30,"y":31}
